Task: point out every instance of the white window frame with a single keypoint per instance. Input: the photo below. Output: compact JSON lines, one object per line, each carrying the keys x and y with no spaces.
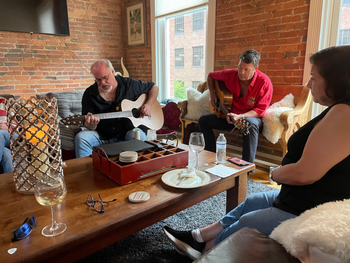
{"x":158,"y":48}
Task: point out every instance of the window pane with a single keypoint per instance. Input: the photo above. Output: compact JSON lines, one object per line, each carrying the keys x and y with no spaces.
{"x":197,"y":59}
{"x":179,"y":57}
{"x":179,"y":25}
{"x":344,"y":28}
{"x":183,"y":52}
{"x":198,"y":21}
{"x":179,"y":90}
{"x":195,"y":84}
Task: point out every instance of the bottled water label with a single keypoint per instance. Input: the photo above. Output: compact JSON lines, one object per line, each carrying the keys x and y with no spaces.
{"x":221,"y":152}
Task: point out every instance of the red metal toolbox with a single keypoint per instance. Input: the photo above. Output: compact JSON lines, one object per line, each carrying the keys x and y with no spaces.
{"x":149,"y":163}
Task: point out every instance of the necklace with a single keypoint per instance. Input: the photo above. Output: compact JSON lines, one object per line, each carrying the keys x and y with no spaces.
{"x":106,"y":94}
{"x":108,"y":97}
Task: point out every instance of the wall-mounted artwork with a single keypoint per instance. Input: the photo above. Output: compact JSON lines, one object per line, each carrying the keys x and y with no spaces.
{"x":136,"y":22}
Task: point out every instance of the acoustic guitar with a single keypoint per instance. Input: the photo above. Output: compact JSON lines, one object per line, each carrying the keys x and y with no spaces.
{"x":224,"y":105}
{"x":131,"y":110}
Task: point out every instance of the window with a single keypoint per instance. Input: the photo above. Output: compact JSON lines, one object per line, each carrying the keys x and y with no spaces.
{"x":344,"y":24}
{"x":195,"y":84}
{"x":197,"y":56}
{"x":179,"y":25}
{"x":179,"y":57}
{"x":172,"y":24}
{"x":198,"y":21}
{"x":344,"y":37}
{"x":329,"y":21}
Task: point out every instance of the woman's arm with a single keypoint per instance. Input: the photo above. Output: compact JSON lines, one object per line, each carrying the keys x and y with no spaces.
{"x":327,"y":145}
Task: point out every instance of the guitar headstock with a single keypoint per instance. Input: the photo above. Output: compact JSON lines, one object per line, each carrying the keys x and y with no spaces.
{"x":243,"y":126}
{"x":73,"y":120}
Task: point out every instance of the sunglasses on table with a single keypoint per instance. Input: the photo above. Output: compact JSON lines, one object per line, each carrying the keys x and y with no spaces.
{"x":24,"y":230}
{"x":97,"y":205}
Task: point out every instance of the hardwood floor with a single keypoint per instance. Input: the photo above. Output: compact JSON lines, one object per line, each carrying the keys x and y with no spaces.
{"x":262,"y":176}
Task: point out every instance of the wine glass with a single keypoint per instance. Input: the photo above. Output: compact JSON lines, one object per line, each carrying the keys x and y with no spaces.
{"x":50,"y":190}
{"x":196,"y":144}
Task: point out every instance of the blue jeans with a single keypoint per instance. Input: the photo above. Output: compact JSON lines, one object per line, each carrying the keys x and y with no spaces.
{"x":5,"y":153}
{"x":85,"y":140}
{"x":209,"y":122}
{"x":256,"y":212}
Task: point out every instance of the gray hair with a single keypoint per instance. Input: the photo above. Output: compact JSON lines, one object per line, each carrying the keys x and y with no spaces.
{"x":106,"y":62}
{"x":250,"y":56}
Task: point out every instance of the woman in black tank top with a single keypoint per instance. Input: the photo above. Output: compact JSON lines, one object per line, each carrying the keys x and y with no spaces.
{"x":314,"y":171}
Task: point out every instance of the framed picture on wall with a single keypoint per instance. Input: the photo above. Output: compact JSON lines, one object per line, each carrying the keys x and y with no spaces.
{"x":136,"y":23}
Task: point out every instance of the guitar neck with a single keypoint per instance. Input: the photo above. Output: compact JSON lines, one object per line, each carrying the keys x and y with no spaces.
{"x":222,"y":108}
{"x":112,"y":115}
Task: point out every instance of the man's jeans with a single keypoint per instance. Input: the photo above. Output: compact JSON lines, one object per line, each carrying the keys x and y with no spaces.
{"x":86,"y":140}
{"x":5,"y":153}
{"x":209,"y":122}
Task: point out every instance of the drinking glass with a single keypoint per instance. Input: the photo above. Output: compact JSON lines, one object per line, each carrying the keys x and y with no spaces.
{"x":50,"y":190}
{"x":196,"y":144}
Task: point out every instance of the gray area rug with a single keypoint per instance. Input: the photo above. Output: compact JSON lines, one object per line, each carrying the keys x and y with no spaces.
{"x":150,"y":244}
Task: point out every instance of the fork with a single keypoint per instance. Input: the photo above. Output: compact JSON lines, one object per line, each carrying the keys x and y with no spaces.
{"x":183,"y":178}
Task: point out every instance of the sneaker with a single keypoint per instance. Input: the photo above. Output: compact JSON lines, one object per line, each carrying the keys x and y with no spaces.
{"x":184,"y":242}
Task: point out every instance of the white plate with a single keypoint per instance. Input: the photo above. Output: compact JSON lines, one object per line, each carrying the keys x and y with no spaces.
{"x":171,"y":178}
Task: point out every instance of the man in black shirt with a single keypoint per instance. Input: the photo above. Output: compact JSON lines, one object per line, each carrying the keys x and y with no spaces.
{"x":104,"y":96}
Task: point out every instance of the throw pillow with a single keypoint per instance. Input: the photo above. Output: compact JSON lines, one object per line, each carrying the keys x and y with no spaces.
{"x":273,"y":128}
{"x":3,"y":115}
{"x":198,"y":104}
{"x":171,"y":115}
{"x":324,"y":227}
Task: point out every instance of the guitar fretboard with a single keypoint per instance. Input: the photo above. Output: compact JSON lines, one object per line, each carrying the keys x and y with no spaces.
{"x":112,"y":115}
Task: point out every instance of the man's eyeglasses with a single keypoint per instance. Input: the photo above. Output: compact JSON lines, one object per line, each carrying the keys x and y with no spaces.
{"x":97,"y":205}
{"x":24,"y":230}
{"x":105,"y":78}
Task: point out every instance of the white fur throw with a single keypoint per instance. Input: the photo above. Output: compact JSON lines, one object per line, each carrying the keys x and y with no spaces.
{"x":198,"y":103}
{"x":273,"y":128}
{"x":326,"y":227}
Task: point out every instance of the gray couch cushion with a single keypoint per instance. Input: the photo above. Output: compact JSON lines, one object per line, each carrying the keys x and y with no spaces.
{"x":69,"y":102}
{"x":67,"y":135}
{"x":7,"y":96}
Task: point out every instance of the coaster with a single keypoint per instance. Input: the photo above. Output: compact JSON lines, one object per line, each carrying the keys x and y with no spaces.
{"x":139,"y":197}
{"x":128,"y":157}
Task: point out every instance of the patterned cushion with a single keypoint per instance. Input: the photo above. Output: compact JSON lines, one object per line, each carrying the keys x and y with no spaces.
{"x":171,"y":115}
{"x":3,"y":113}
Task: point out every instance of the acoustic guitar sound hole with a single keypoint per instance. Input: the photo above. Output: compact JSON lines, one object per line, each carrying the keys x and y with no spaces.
{"x":135,"y":113}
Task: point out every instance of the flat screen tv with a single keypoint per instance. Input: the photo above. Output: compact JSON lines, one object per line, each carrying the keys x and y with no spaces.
{"x":35,"y":16}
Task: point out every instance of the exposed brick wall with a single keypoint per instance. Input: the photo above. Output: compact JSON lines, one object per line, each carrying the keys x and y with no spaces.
{"x":139,"y":58}
{"x":277,"y":29}
{"x":36,"y":63}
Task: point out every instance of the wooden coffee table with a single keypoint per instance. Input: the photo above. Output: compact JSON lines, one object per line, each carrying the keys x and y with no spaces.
{"x":88,"y":231}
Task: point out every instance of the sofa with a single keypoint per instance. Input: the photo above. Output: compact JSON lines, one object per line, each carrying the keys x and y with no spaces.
{"x":69,"y":104}
{"x":319,"y":235}
{"x":285,"y":118}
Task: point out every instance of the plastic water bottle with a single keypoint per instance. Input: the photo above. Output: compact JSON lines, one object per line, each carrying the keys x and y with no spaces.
{"x":221,"y":149}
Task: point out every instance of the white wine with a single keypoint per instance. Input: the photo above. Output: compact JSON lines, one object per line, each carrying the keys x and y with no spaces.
{"x":51,"y":197}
